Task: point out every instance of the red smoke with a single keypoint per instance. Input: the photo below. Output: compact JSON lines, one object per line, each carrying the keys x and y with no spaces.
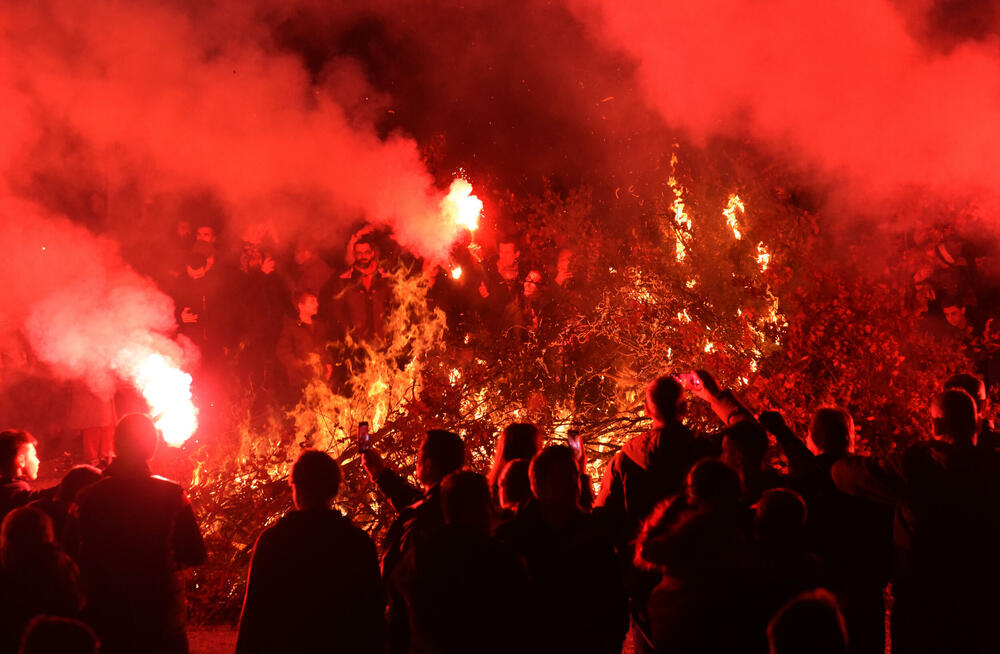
{"x":842,"y":85}
{"x":183,"y":100}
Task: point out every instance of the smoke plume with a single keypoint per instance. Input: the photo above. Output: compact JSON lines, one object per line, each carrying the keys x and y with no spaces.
{"x":890,"y":101}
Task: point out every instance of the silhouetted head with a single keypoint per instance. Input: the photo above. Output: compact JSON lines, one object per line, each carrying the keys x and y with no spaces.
{"x":441,"y":452}
{"x":744,"y":446}
{"x":466,"y":501}
{"x":18,"y":454}
{"x":832,"y":431}
{"x":25,"y":533}
{"x":972,"y":385}
{"x":555,"y":478}
{"x":712,"y":484}
{"x":135,"y":438}
{"x":515,"y":484}
{"x":315,"y":479}
{"x":78,"y":478}
{"x":46,"y":634}
{"x":953,"y":415}
{"x":692,"y":545}
{"x":781,"y":517}
{"x":810,"y":623}
{"x":520,"y":440}
{"x":664,"y":400}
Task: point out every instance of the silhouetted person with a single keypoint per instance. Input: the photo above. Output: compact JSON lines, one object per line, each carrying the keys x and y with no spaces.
{"x":809,"y":624}
{"x":653,"y":466}
{"x":18,"y":467}
{"x":571,"y":560}
{"x":59,"y":507}
{"x":37,"y":578}
{"x":519,"y":440}
{"x":464,"y":590}
{"x":314,"y":583}
{"x":515,"y":487}
{"x":851,"y":535}
{"x":420,"y":514}
{"x":945,"y":536}
{"x":48,"y":635}
{"x":784,"y":564}
{"x":744,"y":446}
{"x":136,"y":533}
{"x":987,"y":438}
{"x":702,"y":602}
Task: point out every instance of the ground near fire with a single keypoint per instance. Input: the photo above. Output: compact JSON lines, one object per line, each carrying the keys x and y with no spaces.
{"x":783,"y":225}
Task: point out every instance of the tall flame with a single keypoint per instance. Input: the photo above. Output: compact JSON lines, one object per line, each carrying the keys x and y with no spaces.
{"x":735,"y":204}
{"x":461,"y":206}
{"x":166,"y":389}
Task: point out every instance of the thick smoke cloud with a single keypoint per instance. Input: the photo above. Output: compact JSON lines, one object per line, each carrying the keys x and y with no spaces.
{"x":175,"y":101}
{"x":890,"y":100}
{"x":189,"y":99}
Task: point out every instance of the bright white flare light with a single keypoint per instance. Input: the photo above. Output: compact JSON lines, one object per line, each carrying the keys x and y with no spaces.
{"x":456,"y":272}
{"x":167,"y":390}
{"x":461,"y":206}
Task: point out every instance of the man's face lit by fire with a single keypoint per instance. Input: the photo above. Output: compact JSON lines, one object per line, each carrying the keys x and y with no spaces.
{"x":508,"y":254}
{"x":955,"y":315}
{"x":364,"y":256}
{"x":27,"y":461}
{"x":533,"y":284}
{"x":205,"y":234}
{"x":308,"y":307}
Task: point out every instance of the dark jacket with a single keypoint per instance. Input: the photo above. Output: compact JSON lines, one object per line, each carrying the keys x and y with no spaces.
{"x":577,"y":581}
{"x":47,"y":584}
{"x":653,"y":467}
{"x":15,"y":493}
{"x":136,"y":531}
{"x":302,"y":351}
{"x":465,"y":592}
{"x":362,"y":312}
{"x":945,"y":535}
{"x":313,"y":586}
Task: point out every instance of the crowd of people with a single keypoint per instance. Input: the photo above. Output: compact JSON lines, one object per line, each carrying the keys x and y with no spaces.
{"x":694,"y":542}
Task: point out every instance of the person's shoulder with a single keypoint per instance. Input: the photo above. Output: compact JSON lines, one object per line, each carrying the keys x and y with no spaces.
{"x":346,"y":275}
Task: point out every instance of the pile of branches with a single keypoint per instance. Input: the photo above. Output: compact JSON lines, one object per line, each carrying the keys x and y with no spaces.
{"x":789,"y":335}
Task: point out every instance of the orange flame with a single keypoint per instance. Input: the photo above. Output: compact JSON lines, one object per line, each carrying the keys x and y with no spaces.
{"x":456,"y":272}
{"x":461,"y":206}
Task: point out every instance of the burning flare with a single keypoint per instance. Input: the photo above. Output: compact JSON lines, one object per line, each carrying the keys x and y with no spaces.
{"x":166,"y":389}
{"x":461,"y":206}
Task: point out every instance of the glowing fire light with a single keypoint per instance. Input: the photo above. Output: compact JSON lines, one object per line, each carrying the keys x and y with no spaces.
{"x":456,"y":272}
{"x":681,"y":217}
{"x":167,"y":390}
{"x":461,"y":206}
{"x":735,"y":204}
{"x":763,"y":256}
